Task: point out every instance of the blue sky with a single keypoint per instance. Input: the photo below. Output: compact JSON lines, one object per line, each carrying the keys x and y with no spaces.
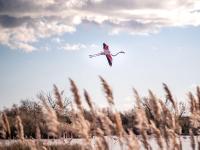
{"x":34,"y":58}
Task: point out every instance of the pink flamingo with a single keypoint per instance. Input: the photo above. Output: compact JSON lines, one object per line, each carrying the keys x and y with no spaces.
{"x":107,"y":53}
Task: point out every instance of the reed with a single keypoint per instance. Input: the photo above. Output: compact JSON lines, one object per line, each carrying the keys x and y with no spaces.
{"x":152,"y":118}
{"x":58,"y":96}
{"x":6,"y":124}
{"x":107,"y":90}
{"x":19,"y":127}
{"x":50,"y":117}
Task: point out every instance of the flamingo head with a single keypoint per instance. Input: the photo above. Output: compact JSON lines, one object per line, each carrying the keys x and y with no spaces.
{"x":104,"y":45}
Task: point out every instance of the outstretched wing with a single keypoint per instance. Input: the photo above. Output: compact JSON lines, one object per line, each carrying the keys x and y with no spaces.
{"x":98,"y":54}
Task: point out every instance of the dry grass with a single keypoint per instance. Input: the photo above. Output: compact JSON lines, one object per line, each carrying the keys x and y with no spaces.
{"x":19,"y":127}
{"x":50,"y":117}
{"x":29,"y":145}
{"x":152,"y":118}
{"x":58,"y":97}
{"x":6,"y":125}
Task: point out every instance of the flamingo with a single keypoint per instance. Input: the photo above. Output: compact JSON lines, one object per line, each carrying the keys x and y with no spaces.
{"x":107,"y":53}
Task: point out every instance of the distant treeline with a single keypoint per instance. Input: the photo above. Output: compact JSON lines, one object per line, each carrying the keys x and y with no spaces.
{"x":54,"y":115}
{"x":32,"y":119}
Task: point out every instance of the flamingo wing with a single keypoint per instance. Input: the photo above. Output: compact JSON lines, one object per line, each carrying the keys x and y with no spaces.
{"x":109,"y":58}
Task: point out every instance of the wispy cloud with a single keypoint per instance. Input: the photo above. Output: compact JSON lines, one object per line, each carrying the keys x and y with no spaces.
{"x":23,"y":23}
{"x":74,"y":46}
{"x":78,"y":46}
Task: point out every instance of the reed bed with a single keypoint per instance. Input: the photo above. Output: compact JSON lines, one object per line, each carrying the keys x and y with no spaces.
{"x":152,"y":117}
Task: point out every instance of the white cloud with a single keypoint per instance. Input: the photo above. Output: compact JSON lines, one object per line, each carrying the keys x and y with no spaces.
{"x":127,"y":103}
{"x":25,"y":22}
{"x":78,"y":46}
{"x":94,"y":46}
{"x":70,"y":47}
{"x":56,"y":39}
{"x":25,"y":47}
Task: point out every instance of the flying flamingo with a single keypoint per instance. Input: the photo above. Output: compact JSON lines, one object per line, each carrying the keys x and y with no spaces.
{"x":107,"y":53}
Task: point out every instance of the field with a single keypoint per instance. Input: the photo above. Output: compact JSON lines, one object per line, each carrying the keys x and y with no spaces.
{"x":152,"y":124}
{"x":113,"y":143}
